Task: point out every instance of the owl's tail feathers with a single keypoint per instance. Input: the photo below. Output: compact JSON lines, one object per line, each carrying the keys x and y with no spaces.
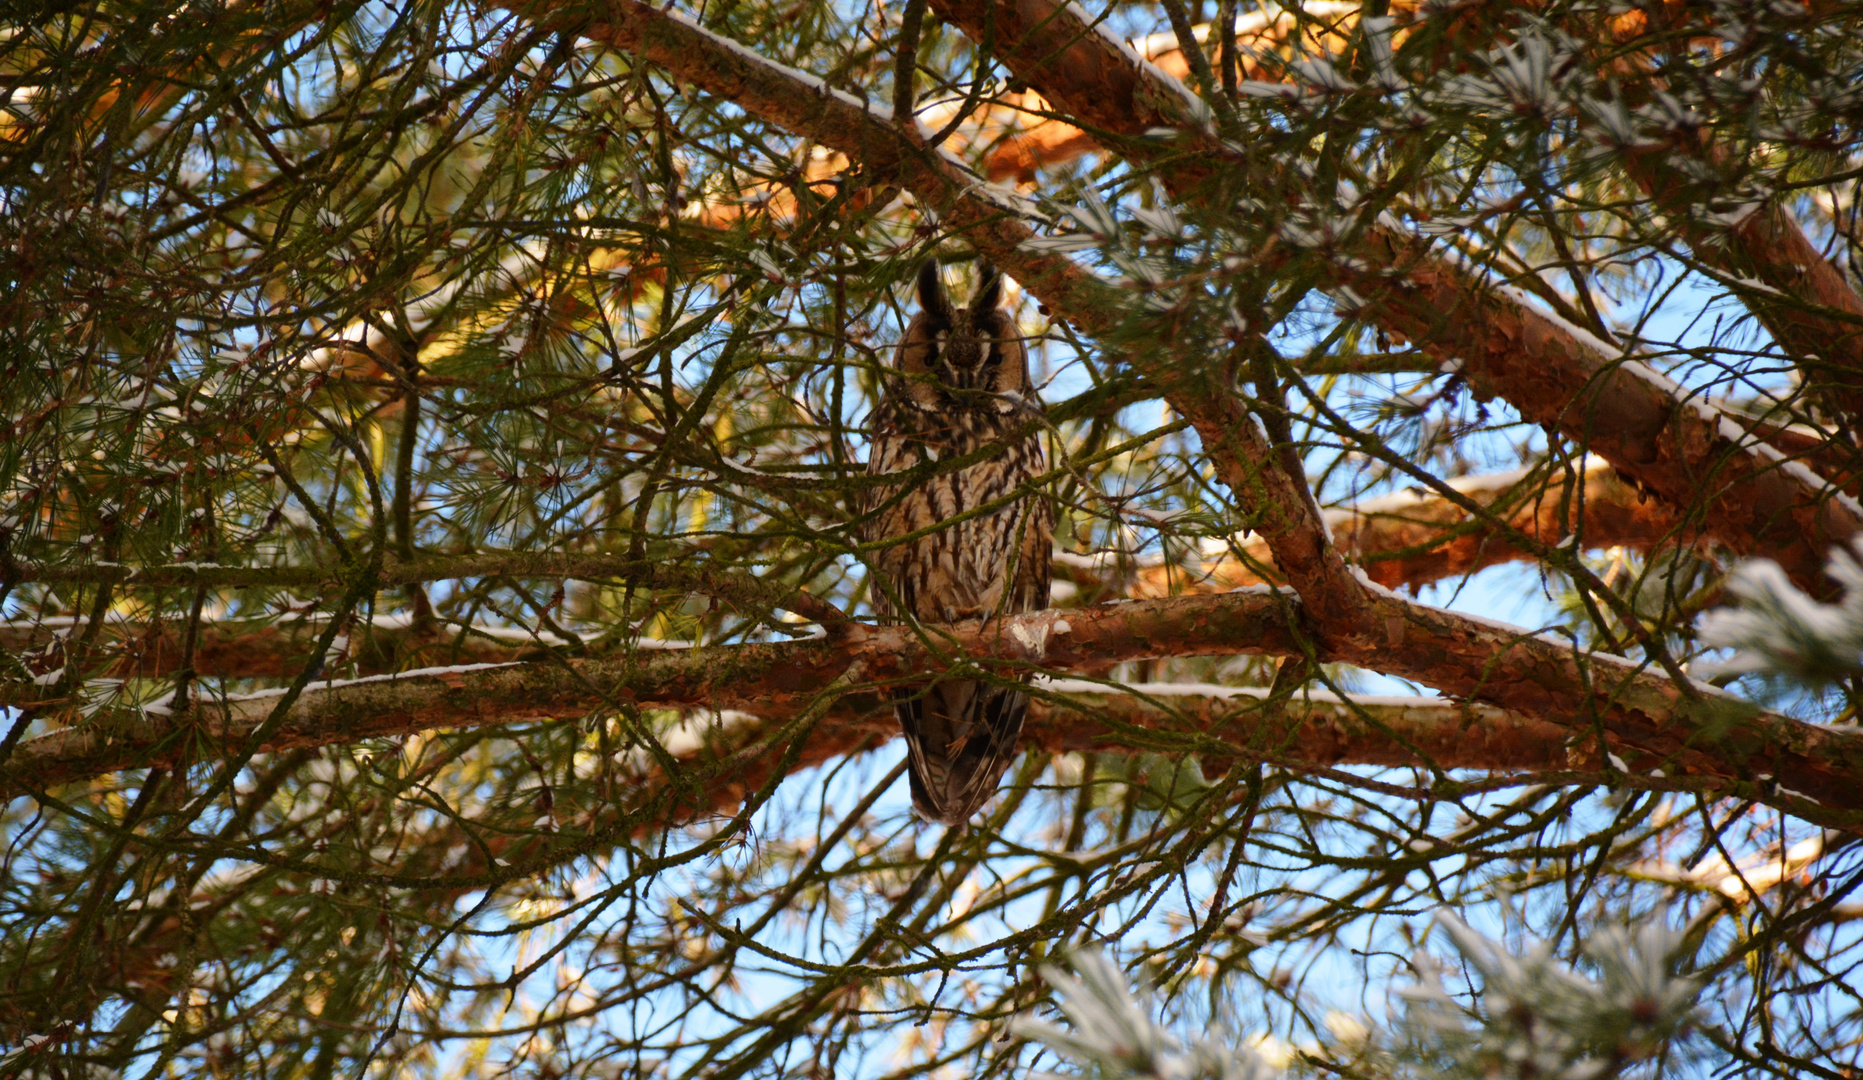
{"x":960,"y":738}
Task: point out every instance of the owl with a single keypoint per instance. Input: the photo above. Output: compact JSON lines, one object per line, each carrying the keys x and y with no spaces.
{"x":959,"y":382}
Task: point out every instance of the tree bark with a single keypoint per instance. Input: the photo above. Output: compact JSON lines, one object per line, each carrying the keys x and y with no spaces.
{"x":1699,"y":737}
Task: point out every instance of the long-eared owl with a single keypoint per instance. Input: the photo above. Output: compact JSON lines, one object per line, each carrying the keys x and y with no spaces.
{"x":960,"y":382}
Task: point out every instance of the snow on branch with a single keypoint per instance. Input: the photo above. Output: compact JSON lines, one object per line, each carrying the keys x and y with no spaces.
{"x":1780,"y":631}
{"x":1534,"y":1016}
{"x":1529,"y":1016}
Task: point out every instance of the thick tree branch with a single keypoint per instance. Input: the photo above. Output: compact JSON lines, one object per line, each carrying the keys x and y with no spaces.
{"x":1400,"y":540}
{"x":683,"y":571}
{"x":1734,"y":487}
{"x":1700,"y":738}
{"x":1316,"y":730}
{"x":1811,"y":310}
{"x":1804,"y":301}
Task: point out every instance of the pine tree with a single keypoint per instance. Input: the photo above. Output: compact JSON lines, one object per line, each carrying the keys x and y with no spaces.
{"x":436,"y":623}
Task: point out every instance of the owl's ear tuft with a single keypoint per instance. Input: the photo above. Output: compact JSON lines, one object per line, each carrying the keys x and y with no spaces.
{"x":932,"y":300}
{"x":989,"y":294}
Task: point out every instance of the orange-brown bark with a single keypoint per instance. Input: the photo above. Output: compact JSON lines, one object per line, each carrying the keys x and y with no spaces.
{"x":1727,"y":483}
{"x":1697,"y":736}
{"x":1312,"y":732}
{"x":1403,"y":540}
{"x":236,"y":650}
{"x":1803,"y":300}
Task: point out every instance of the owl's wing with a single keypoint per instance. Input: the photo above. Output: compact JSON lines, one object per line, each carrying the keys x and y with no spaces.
{"x":888,"y":453}
{"x":1035,"y":557}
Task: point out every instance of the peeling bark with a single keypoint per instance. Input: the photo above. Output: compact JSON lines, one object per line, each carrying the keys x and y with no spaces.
{"x":1811,"y":311}
{"x":1696,"y":735}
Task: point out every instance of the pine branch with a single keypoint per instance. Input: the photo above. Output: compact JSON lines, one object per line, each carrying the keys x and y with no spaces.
{"x":1698,"y":737}
{"x":1400,"y":540}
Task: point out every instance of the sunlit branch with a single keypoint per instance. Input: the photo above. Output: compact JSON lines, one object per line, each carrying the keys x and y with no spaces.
{"x":1697,"y":737}
{"x":1453,"y":653}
